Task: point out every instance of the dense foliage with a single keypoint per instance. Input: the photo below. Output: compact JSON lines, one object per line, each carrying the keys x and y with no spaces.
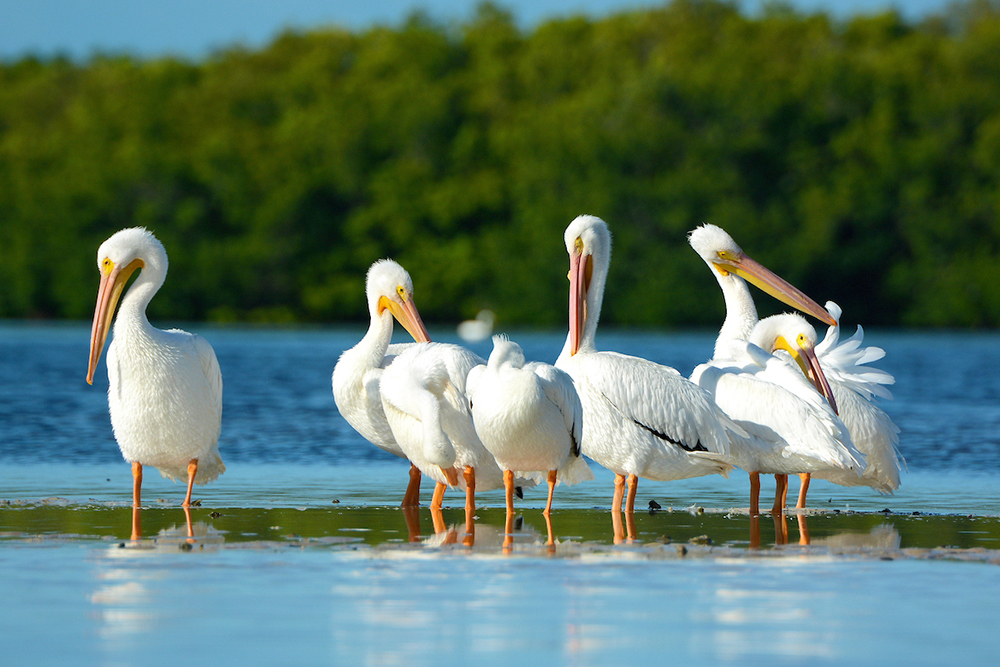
{"x":860,"y":160}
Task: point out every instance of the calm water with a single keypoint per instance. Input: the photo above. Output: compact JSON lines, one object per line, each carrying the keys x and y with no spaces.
{"x":301,"y":555}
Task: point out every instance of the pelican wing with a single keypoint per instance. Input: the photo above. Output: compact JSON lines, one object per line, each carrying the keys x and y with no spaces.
{"x":660,"y":400}
{"x":774,"y":403}
{"x":558,"y":387}
{"x":210,"y":366}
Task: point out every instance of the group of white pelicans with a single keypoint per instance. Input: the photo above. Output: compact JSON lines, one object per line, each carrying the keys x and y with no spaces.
{"x":773,"y":399}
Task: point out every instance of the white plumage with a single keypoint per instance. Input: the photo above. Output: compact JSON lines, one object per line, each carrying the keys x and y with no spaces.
{"x":529,"y":417}
{"x":793,"y":428}
{"x":641,"y":419}
{"x":423,"y":395}
{"x":165,"y":393}
{"x":357,"y":375}
{"x":854,"y":386}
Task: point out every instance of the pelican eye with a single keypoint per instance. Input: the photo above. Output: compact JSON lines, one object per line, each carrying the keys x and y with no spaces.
{"x":107,"y":265}
{"x":802,"y":340}
{"x":401,"y":291}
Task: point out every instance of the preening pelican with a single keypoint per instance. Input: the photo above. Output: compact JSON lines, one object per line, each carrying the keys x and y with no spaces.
{"x":165,"y":393}
{"x":530,"y":419}
{"x":423,"y":395}
{"x":793,"y":428}
{"x":640,"y":419}
{"x":854,"y":386}
{"x":356,"y":376}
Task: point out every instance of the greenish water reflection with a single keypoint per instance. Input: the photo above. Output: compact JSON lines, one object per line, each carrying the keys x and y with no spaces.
{"x":574,"y":529}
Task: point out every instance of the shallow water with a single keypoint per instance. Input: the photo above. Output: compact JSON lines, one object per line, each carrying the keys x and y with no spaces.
{"x":301,"y":555}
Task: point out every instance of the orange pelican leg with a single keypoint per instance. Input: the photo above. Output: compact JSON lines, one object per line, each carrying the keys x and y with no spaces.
{"x":438,"y":498}
{"x":754,"y":494}
{"x":470,"y":499}
{"x":780,"y":491}
{"x":616,"y":502}
{"x":412,"y":496}
{"x":508,"y":485}
{"x":548,"y":506}
{"x":803,"y":489}
{"x":192,"y":471}
{"x":633,"y":486}
{"x":552,"y":488}
{"x":136,"y":500}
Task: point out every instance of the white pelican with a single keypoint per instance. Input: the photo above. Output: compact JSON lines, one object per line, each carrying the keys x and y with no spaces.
{"x":731,"y":267}
{"x":854,"y":386}
{"x":795,"y":432}
{"x":640,"y":419}
{"x":165,"y":393}
{"x":792,"y":427}
{"x":356,"y":376}
{"x":423,"y":395}
{"x":529,"y":417}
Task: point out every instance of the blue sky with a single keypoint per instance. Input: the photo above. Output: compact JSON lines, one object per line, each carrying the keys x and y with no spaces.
{"x":194,"y":28}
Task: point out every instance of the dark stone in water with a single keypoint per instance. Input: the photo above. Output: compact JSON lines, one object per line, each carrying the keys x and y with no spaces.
{"x":215,"y":515}
{"x":653,"y":506}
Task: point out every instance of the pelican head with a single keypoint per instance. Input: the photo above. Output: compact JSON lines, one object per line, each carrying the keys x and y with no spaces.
{"x":505,"y":353}
{"x":117,"y":259}
{"x":389,"y":287}
{"x":588,"y":243}
{"x":793,"y":334}
{"x":720,"y":252}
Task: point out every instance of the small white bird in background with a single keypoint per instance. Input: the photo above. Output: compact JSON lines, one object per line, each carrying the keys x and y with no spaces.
{"x":423,"y":395}
{"x":473,"y":331}
{"x":356,"y":377}
{"x":530,"y":418}
{"x":854,"y":386}
{"x":640,"y":419}
{"x":165,"y":393}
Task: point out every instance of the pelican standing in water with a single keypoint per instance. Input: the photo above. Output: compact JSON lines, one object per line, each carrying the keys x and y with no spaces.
{"x":358,"y":372}
{"x":530,"y":419}
{"x":853,"y":386}
{"x":423,"y":395}
{"x":165,"y":393}
{"x":640,"y":419}
{"x":794,"y":429}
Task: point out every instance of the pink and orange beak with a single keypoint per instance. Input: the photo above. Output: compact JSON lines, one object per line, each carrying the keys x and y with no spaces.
{"x":805,"y":357}
{"x":406,"y":314}
{"x":581,"y":269}
{"x":759,"y":275}
{"x":113,"y":281}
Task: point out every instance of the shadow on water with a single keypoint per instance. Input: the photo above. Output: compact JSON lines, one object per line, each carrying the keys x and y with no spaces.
{"x":576,"y":531}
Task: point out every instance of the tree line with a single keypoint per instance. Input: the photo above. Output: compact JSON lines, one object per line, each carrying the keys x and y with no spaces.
{"x":858,"y":159}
